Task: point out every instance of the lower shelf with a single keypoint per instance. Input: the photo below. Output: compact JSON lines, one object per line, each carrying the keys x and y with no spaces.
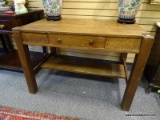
{"x":11,"y":60}
{"x":85,"y":66}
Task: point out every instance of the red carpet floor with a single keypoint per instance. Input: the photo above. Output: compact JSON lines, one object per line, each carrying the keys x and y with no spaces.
{"x":7,"y":113}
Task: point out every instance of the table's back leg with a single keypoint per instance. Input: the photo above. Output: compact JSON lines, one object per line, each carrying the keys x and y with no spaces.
{"x":24,"y":56}
{"x":136,"y":72}
{"x":123,"y":56}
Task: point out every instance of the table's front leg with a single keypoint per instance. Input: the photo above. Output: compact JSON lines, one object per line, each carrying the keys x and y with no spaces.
{"x":24,"y":56}
{"x":136,"y":72}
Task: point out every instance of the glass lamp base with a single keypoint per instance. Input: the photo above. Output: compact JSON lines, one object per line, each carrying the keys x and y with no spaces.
{"x":126,"y":21}
{"x":55,"y":18}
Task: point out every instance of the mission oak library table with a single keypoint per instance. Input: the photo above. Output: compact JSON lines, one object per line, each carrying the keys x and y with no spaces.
{"x":86,"y":34}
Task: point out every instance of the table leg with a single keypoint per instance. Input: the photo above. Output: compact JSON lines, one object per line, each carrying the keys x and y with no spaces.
{"x":24,"y":56}
{"x":136,"y":72}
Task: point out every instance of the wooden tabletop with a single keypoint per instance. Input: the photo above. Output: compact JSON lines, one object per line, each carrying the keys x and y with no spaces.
{"x":85,"y":26}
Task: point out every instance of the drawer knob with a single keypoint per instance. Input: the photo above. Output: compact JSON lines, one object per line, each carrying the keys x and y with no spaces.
{"x":59,"y":40}
{"x":91,"y":42}
{"x":2,"y":26}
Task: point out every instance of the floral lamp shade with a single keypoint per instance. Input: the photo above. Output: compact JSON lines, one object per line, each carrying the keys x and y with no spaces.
{"x":53,"y":9}
{"x":127,"y":10}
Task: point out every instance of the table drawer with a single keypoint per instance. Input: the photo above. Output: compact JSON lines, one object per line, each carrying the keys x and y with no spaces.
{"x":75,"y":41}
{"x":35,"y":38}
{"x":5,"y":25}
{"x":123,"y":44}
